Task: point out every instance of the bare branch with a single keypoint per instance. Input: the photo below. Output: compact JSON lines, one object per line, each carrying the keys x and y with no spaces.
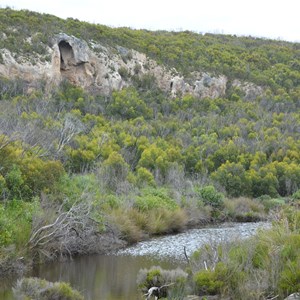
{"x":66,"y":232}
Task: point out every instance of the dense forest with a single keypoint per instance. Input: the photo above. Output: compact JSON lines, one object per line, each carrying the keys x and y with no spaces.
{"x":139,"y":162}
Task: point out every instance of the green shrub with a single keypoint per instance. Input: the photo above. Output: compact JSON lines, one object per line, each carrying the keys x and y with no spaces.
{"x":253,"y":268}
{"x":35,"y":288}
{"x":130,"y":223}
{"x":289,"y":280}
{"x":207,"y":282}
{"x":156,"y":276}
{"x":210,"y":196}
{"x":134,"y":224}
{"x":151,"y":198}
{"x":164,"y":220}
{"x":260,"y":255}
{"x":124,"y":73}
{"x":15,"y":222}
{"x":244,"y":210}
{"x":112,"y":201}
{"x":290,"y":248}
{"x":292,"y":217}
{"x":271,"y":204}
{"x":296,"y":197}
{"x":145,"y":177}
{"x":71,"y":187}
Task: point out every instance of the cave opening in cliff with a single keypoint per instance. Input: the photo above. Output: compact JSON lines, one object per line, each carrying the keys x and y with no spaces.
{"x":66,"y":55}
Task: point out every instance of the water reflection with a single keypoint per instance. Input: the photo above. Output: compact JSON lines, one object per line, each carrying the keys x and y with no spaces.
{"x":101,"y":277}
{"x":113,"y":277}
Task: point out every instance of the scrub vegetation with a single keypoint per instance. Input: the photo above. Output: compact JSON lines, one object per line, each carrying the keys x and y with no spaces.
{"x":76,"y":167}
{"x":265,"y":266}
{"x":34,"y":288}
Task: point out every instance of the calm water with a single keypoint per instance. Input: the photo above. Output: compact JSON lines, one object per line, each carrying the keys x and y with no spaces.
{"x":113,"y":277}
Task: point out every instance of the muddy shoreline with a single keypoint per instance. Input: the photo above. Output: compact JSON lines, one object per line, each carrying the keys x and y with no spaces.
{"x":108,"y":242}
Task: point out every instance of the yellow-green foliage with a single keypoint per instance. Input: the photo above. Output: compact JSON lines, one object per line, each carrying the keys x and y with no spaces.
{"x":35,"y":288}
{"x":131,"y":229}
{"x":145,"y":177}
{"x":62,"y":143}
{"x":210,"y":196}
{"x":207,"y":282}
{"x":135,"y":224}
{"x":244,"y":209}
{"x":264,"y":264}
{"x":157,"y":276}
{"x":144,"y":149}
{"x":127,"y":104}
{"x":15,"y":223}
{"x":266,"y":62}
{"x":24,"y":175}
{"x":151,"y":198}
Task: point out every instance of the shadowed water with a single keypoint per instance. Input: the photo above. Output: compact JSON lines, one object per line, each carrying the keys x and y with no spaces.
{"x":113,"y":277}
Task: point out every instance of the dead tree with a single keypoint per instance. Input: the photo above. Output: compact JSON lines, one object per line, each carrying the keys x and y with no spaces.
{"x":69,"y":231}
{"x":157,"y":292}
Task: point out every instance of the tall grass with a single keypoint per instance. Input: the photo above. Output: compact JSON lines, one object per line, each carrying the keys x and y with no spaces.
{"x":136,"y":225}
{"x":244,"y":210}
{"x":261,"y":267}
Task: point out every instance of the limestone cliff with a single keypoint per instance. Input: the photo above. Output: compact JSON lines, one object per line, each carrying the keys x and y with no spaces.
{"x":106,"y":69}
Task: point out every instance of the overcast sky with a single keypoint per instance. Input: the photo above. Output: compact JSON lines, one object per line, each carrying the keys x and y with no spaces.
{"x":260,"y":18}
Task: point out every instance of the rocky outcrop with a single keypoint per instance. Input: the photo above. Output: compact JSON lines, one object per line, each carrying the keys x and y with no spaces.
{"x":71,"y":60}
{"x":203,"y":86}
{"x":295,"y":296}
{"x":25,"y":70}
{"x":249,"y":89}
{"x":210,"y":87}
{"x":107,"y":69}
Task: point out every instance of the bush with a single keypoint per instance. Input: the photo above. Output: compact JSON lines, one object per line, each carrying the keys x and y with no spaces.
{"x":130,"y":223}
{"x":207,"y":282}
{"x":124,"y":73}
{"x":134,"y":224}
{"x":211,"y":197}
{"x":163,"y":220}
{"x":254,"y":268}
{"x":155,"y":198}
{"x":289,"y":281}
{"x":270,"y":203}
{"x":15,"y":222}
{"x":114,"y":171}
{"x":156,"y":276}
{"x":35,"y":288}
{"x":296,"y":198}
{"x":244,"y":210}
{"x":128,"y":104}
{"x":145,"y":177}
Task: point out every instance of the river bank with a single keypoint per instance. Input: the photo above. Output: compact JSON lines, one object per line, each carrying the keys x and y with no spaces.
{"x":118,"y":235}
{"x":114,"y":275}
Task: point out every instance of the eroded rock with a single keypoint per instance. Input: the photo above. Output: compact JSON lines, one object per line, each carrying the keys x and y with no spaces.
{"x":105,"y":69}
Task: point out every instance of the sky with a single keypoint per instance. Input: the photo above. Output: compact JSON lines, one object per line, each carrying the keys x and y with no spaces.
{"x":276,"y":19}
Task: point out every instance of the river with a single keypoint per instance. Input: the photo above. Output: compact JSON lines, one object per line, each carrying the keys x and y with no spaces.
{"x":113,"y":276}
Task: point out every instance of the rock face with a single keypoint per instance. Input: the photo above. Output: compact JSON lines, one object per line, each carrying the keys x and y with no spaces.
{"x":250,"y":90}
{"x":107,"y":69}
{"x":71,"y":60}
{"x":295,"y":296}
{"x":212,"y":87}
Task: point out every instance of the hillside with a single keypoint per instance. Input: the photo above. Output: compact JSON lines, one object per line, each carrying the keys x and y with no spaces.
{"x":113,"y":124}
